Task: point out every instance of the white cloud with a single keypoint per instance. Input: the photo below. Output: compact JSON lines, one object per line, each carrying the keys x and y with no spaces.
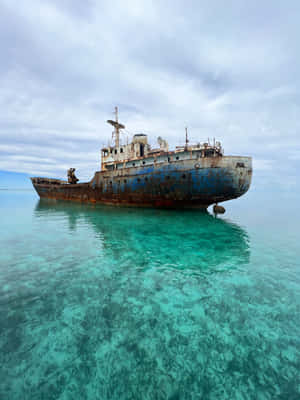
{"x":263,"y":165}
{"x":226,"y":72}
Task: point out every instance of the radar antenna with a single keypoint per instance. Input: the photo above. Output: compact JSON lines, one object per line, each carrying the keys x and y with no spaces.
{"x":117,"y":127}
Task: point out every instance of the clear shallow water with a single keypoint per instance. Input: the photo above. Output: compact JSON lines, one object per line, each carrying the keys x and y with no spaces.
{"x":107,"y":303}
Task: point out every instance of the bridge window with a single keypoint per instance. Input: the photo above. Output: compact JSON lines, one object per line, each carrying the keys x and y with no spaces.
{"x":141,"y":150}
{"x":121,"y":150}
{"x":116,"y":151}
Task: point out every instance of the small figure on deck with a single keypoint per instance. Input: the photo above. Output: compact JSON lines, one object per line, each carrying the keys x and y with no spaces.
{"x":71,"y":176}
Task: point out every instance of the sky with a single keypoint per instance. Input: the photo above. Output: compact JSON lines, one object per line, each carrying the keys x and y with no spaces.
{"x":228,"y":70}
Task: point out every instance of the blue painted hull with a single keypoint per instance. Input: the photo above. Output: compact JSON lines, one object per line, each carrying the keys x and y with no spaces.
{"x":182,"y":184}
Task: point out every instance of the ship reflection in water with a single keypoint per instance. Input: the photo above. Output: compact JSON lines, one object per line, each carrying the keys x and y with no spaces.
{"x":112,"y":303}
{"x":124,"y":303}
{"x":154,"y":238}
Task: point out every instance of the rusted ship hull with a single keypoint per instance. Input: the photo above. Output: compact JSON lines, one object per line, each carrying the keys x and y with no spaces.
{"x":190,"y":183}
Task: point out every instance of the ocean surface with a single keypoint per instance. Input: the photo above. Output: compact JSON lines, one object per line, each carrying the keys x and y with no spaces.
{"x":103,"y":303}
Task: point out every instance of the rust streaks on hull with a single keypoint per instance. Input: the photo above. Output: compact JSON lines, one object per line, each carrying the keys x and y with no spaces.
{"x":170,"y":185}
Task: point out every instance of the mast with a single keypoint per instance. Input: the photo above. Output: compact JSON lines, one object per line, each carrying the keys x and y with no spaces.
{"x":117,"y":133}
{"x":186,"y":139}
{"x":117,"y":127}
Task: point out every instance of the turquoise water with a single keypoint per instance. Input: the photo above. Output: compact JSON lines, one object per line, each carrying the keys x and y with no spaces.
{"x":107,"y":303}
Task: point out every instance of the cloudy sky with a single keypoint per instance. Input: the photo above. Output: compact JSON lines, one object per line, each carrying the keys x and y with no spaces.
{"x":228,"y":70}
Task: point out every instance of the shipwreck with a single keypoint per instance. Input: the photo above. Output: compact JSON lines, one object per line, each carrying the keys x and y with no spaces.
{"x":134,"y":174}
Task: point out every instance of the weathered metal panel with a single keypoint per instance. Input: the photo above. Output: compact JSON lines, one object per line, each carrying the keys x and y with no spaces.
{"x":196,"y":182}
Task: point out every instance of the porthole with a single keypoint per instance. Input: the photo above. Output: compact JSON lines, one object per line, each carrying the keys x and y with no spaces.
{"x":183,"y":176}
{"x":177,"y":158}
{"x":125,"y":181}
{"x":144,"y":162}
{"x":138,"y":179}
{"x":133,"y":164}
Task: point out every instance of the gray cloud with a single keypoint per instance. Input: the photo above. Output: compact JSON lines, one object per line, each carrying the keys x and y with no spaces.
{"x":227,"y":71}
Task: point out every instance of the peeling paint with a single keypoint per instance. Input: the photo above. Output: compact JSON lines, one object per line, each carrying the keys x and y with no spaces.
{"x":177,"y":184}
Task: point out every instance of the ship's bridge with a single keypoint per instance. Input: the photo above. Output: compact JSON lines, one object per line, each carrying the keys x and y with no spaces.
{"x":139,"y":146}
{"x":124,"y":155}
